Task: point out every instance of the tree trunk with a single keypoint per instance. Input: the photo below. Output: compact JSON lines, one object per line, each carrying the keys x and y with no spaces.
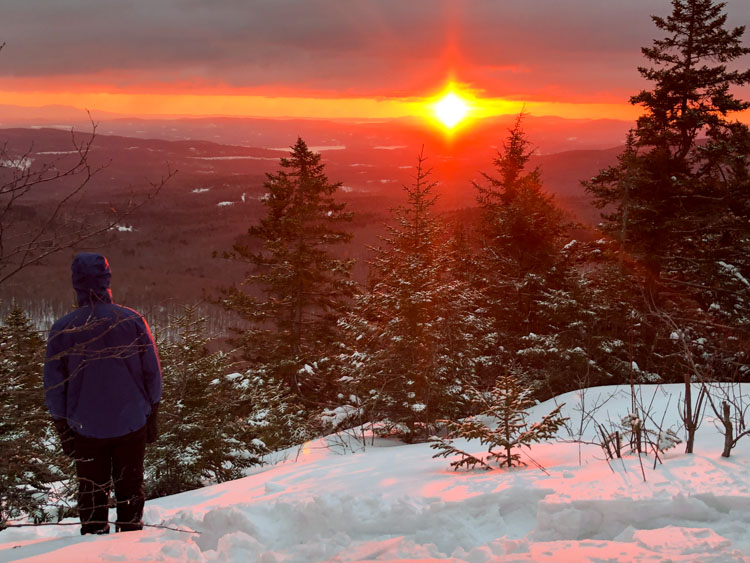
{"x":689,"y":422}
{"x":728,"y":429}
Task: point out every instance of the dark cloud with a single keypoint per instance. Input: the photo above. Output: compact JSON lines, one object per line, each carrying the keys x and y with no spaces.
{"x":356,"y":47}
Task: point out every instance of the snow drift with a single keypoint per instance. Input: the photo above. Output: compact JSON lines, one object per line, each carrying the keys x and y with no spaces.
{"x":336,"y":499}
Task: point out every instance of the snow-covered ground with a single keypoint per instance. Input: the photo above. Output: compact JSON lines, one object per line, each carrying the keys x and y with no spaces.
{"x":394,"y":502}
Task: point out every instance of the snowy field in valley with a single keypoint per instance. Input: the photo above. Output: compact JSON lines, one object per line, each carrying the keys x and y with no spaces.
{"x":391,"y":501}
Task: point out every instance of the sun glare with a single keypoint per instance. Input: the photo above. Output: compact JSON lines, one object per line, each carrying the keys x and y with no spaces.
{"x":451,"y":109}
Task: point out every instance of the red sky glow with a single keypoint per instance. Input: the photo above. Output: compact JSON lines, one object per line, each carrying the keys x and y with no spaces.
{"x":327,"y":59}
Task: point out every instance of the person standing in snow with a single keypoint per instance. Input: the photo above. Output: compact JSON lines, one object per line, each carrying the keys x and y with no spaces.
{"x":102,"y":384}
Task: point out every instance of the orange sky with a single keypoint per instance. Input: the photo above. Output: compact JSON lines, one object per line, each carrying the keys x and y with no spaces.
{"x":327,"y":59}
{"x":145,"y":104}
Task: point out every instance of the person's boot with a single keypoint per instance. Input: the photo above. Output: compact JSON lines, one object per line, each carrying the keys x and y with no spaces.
{"x":98,"y":529}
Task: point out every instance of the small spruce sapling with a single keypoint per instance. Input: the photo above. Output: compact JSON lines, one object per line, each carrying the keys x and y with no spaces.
{"x":507,"y":403}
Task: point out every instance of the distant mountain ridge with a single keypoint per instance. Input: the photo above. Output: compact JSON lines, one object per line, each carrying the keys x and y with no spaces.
{"x":366,"y":163}
{"x":551,"y":134}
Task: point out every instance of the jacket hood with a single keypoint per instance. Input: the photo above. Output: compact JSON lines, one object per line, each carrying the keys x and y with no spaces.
{"x":91,"y":276}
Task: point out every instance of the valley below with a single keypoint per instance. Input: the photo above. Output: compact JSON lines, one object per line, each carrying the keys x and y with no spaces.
{"x":168,"y":252}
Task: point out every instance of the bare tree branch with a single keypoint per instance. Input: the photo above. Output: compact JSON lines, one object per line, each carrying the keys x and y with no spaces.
{"x":19,"y":177}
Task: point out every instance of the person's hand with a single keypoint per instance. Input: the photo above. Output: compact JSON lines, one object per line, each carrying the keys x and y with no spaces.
{"x":67,"y":438}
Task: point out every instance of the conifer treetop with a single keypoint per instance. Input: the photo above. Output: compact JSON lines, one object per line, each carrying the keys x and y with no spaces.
{"x":510,"y":163}
{"x":692,"y":80}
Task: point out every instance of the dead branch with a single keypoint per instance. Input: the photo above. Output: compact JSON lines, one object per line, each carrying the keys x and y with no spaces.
{"x":32,"y":525}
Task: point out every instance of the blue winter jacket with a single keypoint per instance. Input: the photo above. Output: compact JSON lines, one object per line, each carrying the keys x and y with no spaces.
{"x":102,"y":372}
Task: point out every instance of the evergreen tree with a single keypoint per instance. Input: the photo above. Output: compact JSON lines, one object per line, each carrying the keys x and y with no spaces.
{"x":671,"y":195}
{"x":204,"y":438}
{"x":528,"y":268}
{"x":520,"y":227}
{"x":520,"y":234}
{"x":29,"y":460}
{"x":507,"y":403}
{"x":415,"y":340}
{"x":582,"y":336}
{"x":298,"y":288}
{"x":678,"y":200}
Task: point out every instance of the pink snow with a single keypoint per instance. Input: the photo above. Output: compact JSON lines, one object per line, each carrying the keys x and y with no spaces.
{"x":336,"y":499}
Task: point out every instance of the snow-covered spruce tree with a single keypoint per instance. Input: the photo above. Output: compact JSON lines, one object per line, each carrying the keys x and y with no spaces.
{"x":204,"y":436}
{"x":678,"y":200}
{"x":581,"y":336}
{"x":416,"y":338}
{"x":507,"y":405}
{"x":297,"y":288}
{"x":29,"y":459}
{"x":529,"y":268}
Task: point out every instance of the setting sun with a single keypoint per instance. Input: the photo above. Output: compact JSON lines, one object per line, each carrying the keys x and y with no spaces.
{"x":451,"y":109}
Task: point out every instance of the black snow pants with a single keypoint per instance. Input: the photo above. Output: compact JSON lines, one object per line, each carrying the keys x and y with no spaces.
{"x":102,"y":463}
